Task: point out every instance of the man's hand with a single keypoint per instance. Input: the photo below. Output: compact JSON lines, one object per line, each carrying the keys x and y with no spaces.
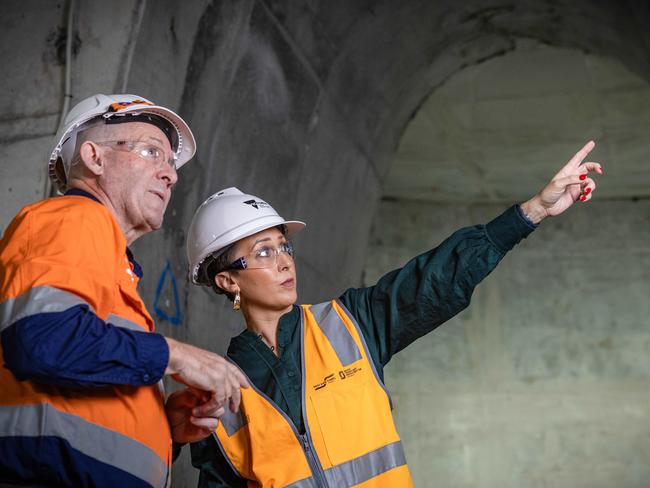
{"x":192,"y":414}
{"x":206,"y":371}
{"x":570,"y":184}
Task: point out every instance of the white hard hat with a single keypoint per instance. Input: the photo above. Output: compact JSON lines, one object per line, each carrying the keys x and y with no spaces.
{"x":116,"y":108}
{"x":226,"y":217}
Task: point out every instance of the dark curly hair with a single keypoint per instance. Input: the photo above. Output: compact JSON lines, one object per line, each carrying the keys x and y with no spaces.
{"x":215,"y":265}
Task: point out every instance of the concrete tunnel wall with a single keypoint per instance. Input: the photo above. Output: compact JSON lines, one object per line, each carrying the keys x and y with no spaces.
{"x":545,"y":379}
{"x":302,"y":103}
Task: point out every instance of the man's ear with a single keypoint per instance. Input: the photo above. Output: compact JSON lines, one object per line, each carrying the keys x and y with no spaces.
{"x":91,"y":157}
{"x":226,"y":281}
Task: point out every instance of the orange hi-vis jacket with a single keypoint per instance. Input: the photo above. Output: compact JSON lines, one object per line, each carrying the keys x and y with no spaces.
{"x":350,"y":437}
{"x":56,"y":254}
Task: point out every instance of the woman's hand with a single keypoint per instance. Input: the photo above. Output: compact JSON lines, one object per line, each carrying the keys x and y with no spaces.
{"x":570,"y":184}
{"x":193,"y":414}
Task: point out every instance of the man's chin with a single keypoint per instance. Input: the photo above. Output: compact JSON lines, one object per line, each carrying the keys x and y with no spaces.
{"x":155,"y":217}
{"x":155,"y":223}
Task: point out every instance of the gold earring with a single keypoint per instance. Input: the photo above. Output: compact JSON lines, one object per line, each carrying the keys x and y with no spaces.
{"x":236,"y":304}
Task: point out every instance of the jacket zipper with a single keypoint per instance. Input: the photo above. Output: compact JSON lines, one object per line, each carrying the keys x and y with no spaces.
{"x":319,"y":474}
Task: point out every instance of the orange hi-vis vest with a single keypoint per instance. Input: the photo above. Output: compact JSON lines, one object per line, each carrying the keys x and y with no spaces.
{"x":350,"y":437}
{"x":59,"y":253}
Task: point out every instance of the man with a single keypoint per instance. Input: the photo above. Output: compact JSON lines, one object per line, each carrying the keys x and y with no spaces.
{"x":80,"y":404}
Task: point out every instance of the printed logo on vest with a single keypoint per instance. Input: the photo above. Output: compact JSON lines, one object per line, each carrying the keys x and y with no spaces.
{"x":342,"y":374}
{"x":348,"y":373}
{"x":327,"y":380}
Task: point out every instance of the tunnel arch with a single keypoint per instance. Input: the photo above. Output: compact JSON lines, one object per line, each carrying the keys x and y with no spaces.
{"x":349,"y":78}
{"x":410,"y":50}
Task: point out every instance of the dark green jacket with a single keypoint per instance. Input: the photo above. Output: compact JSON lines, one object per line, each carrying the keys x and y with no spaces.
{"x":404,"y":305}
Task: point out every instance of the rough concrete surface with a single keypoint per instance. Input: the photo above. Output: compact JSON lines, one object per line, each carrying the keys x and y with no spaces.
{"x":543,"y":381}
{"x":304,"y":103}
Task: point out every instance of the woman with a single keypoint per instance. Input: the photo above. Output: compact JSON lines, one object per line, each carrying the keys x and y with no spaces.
{"x":318,"y":413}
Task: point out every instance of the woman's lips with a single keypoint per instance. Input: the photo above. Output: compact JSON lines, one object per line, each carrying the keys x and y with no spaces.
{"x":288,"y":283}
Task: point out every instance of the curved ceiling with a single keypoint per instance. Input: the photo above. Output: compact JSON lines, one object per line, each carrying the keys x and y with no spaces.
{"x":496,"y":131}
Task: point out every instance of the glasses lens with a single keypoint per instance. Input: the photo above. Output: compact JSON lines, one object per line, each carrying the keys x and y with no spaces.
{"x":266,"y":256}
{"x":145,"y":150}
{"x":263,"y":257}
{"x":152,"y":153}
{"x":287,"y":247}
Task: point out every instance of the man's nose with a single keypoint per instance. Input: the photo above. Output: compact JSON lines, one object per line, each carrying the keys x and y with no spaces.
{"x":168,"y":174}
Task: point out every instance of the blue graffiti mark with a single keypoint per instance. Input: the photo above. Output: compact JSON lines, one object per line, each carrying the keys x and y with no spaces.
{"x":177,"y":318}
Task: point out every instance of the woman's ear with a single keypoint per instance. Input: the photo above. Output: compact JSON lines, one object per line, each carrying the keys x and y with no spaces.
{"x":226,"y":281}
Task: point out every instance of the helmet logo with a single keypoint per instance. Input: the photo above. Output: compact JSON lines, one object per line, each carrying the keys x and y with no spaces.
{"x":117,"y":106}
{"x":257,"y":204}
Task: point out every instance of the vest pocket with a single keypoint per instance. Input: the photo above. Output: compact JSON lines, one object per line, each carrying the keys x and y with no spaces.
{"x":349,"y":419}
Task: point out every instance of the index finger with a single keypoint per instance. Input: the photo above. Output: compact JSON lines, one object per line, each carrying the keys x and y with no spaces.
{"x":241,"y":378}
{"x":235,"y":400}
{"x":577,"y":159}
{"x":207,"y":410}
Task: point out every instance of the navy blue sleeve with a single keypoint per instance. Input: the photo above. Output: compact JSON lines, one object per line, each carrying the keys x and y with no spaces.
{"x":76,"y":348}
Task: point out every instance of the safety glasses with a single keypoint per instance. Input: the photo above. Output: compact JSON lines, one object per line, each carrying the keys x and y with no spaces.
{"x":263,"y":257}
{"x":145,"y":150}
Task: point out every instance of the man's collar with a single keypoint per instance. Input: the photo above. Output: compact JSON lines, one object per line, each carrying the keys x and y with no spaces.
{"x":81,"y":193}
{"x":137,"y":269}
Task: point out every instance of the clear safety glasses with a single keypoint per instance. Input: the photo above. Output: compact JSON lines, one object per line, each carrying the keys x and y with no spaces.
{"x":145,"y":150}
{"x":264,"y":257}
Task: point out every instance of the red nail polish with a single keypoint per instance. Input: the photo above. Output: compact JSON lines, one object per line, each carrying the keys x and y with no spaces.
{"x":583,"y":177}
{"x":583,"y":198}
{"x":587,"y":191}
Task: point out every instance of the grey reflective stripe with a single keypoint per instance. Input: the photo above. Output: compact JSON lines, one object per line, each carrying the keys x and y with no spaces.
{"x":40,"y":299}
{"x":368,"y":466}
{"x":305,"y":483}
{"x":125,"y":323}
{"x":336,"y":332}
{"x":105,"y":445}
{"x":232,"y":422}
{"x":365,"y":348}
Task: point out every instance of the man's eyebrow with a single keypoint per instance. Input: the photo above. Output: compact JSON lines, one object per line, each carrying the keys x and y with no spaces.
{"x":156,"y":139}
